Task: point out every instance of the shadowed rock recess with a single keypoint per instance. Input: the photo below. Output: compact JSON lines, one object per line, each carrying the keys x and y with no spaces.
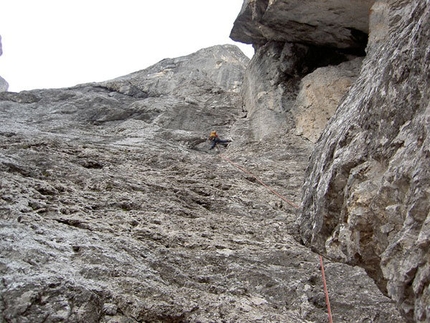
{"x":113,"y":210}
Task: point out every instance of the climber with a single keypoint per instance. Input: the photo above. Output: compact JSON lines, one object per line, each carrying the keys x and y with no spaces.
{"x":214,"y":139}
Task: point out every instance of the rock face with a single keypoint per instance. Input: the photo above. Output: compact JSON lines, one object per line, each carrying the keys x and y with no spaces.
{"x":112,"y":209}
{"x":366,"y":198}
{"x":366,"y":195}
{"x":277,"y":95}
{"x":319,"y":95}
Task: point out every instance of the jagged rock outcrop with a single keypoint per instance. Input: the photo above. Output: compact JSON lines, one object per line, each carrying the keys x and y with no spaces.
{"x":3,"y":84}
{"x":366,"y":196}
{"x":112,"y":209}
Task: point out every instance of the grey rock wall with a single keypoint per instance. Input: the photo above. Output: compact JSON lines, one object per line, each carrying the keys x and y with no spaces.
{"x":365,"y":199}
{"x":112,"y":208}
{"x":276,"y":95}
{"x":366,"y":194}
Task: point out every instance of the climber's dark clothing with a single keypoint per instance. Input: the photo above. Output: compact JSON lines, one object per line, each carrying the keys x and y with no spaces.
{"x":217,"y":141}
{"x":214,"y":139}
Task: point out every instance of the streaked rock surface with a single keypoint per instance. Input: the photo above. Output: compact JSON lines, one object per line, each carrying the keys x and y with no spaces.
{"x":366,"y":195}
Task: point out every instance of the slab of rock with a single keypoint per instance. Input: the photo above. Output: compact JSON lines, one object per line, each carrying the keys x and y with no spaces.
{"x":319,"y":96}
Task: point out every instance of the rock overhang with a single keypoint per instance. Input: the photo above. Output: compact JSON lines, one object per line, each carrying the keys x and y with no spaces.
{"x":341,"y":24}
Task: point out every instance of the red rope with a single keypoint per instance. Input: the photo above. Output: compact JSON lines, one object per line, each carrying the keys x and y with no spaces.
{"x":327,"y":300}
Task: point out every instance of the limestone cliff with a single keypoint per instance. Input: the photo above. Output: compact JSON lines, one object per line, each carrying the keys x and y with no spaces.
{"x":366,"y":191}
{"x":292,"y":40}
{"x":366,"y":196}
{"x":112,"y":208}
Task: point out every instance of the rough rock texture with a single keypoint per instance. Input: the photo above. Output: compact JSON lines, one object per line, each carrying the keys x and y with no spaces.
{"x":113,"y":210}
{"x":366,"y":195}
{"x":3,"y":84}
{"x":320,"y":94}
{"x":329,"y":23}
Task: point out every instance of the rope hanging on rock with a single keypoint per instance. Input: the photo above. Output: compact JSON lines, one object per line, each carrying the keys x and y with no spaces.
{"x":327,"y":300}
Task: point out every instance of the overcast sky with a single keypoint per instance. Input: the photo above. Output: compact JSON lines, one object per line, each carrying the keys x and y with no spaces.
{"x":61,"y":43}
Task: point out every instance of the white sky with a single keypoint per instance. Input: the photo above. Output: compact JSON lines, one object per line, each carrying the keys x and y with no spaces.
{"x":61,"y":43}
